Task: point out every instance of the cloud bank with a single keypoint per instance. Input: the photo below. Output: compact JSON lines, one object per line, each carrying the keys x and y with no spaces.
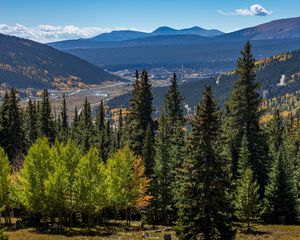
{"x":254,"y":10}
{"x":50,"y":33}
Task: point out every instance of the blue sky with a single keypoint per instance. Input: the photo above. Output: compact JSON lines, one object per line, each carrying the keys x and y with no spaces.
{"x":45,"y":20}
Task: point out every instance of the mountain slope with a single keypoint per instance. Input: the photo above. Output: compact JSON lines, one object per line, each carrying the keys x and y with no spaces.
{"x":270,"y":73}
{"x":27,"y":64}
{"x":278,"y":29}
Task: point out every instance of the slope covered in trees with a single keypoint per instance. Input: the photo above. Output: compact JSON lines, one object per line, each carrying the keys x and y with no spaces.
{"x":27,"y":64}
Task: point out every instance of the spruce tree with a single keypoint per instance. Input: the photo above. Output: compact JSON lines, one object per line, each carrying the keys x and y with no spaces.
{"x":204,"y":205}
{"x":173,"y":102}
{"x":148,"y":152}
{"x":64,"y":118}
{"x":119,"y":131}
{"x":31,"y":123}
{"x":140,"y":113}
{"x":247,"y":200}
{"x":46,"y":122}
{"x":281,"y":197}
{"x":244,"y":156}
{"x":100,"y":119}
{"x":12,"y":136}
{"x":163,"y":178}
{"x":275,"y":131}
{"x":86,"y":128}
{"x":243,"y":116}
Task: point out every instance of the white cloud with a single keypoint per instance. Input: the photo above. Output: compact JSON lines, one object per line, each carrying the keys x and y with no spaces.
{"x":253,"y":10}
{"x":50,"y":33}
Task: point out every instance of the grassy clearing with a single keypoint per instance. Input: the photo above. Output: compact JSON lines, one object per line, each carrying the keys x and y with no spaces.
{"x":263,"y":232}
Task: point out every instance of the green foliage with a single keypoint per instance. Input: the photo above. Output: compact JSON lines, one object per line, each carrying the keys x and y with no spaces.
{"x":45,"y":119}
{"x":5,"y":182}
{"x":140,"y":113}
{"x":242,"y":118}
{"x":36,"y":170}
{"x":247,"y":200}
{"x":203,"y":202}
{"x":90,"y":184}
{"x":12,"y":137}
{"x":281,"y":197}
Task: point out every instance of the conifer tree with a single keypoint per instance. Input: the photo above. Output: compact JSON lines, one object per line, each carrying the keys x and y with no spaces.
{"x":281,"y":197}
{"x":163,"y":178}
{"x":148,"y":152}
{"x":204,"y":205}
{"x":86,"y":127}
{"x":275,"y":131}
{"x":46,"y":122}
{"x":247,"y":200}
{"x":12,"y":136}
{"x":64,"y":118}
{"x":140,"y":113}
{"x":244,"y":157}
{"x":119,"y":133}
{"x":100,"y":119}
{"x":173,"y":102}
{"x":31,"y":123}
{"x":243,"y":115}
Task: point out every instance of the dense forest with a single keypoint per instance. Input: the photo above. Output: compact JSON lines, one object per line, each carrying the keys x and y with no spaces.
{"x":206,"y":174}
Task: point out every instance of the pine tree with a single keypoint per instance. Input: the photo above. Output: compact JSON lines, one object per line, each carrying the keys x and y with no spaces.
{"x":140,"y":113}
{"x":64,"y":118}
{"x":247,"y":200}
{"x":275,"y":132}
{"x":163,"y":178}
{"x":119,"y":133}
{"x":31,"y":123}
{"x":148,"y":152}
{"x":243,"y":115}
{"x":86,"y":128}
{"x":100,"y":119}
{"x":204,"y":205}
{"x":244,"y":157}
{"x":12,"y":136}
{"x":46,"y":122}
{"x":281,"y":197}
{"x":173,"y":102}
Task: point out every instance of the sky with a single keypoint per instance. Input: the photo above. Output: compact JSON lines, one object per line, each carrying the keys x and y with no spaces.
{"x":54,"y":20}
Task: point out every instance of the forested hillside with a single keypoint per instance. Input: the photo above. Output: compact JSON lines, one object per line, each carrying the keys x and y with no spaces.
{"x":27,"y":64}
{"x":269,"y":72}
{"x":209,"y":175}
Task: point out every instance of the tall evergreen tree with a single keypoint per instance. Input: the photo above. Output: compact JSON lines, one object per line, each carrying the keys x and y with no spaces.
{"x":173,"y":102}
{"x":140,"y":113}
{"x":163,"y":178}
{"x":12,"y":136}
{"x":204,"y":204}
{"x":243,"y":115}
{"x":119,"y":133}
{"x":275,"y":132}
{"x":46,"y":122}
{"x":281,"y":198}
{"x":148,"y":152}
{"x":64,"y":118}
{"x":31,"y":123}
{"x":100,"y":119}
{"x":86,"y":127}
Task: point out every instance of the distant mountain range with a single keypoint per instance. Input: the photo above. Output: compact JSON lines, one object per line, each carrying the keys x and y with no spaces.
{"x":27,"y":64}
{"x":167,"y":46}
